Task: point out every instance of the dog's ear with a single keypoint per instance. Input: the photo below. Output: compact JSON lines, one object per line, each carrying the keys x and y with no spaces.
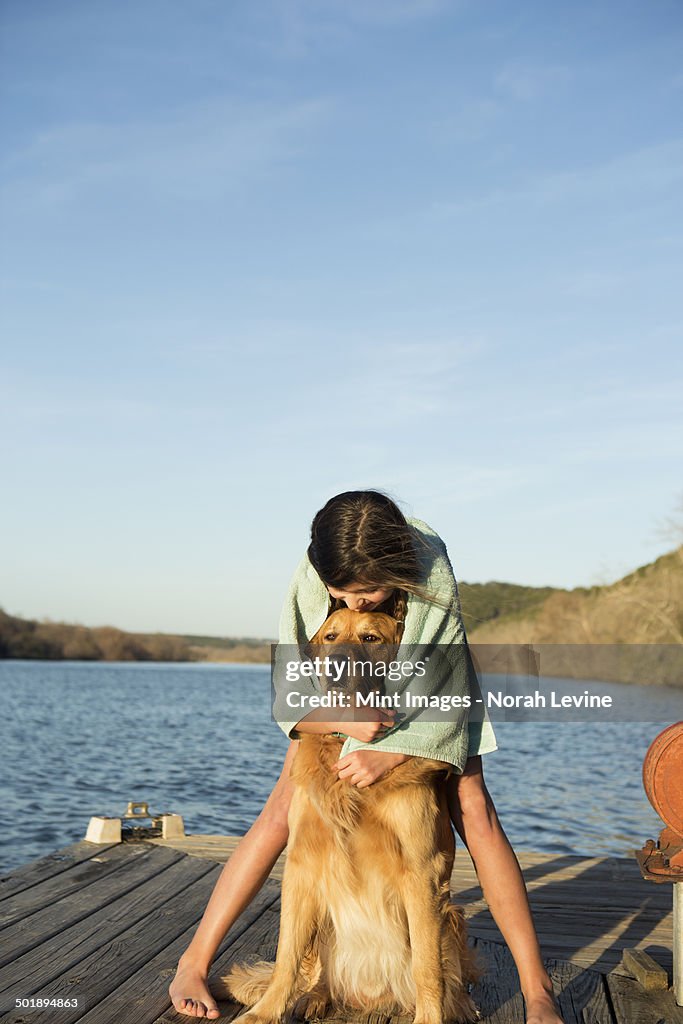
{"x":398,"y":632}
{"x":318,"y":637}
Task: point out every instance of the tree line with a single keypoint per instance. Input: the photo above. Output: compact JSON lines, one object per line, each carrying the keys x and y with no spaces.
{"x":59,"y":641}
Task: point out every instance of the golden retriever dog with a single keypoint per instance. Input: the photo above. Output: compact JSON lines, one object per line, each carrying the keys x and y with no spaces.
{"x":366,"y":919}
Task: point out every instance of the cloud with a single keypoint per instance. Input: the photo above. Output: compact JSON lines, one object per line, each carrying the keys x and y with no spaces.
{"x":198,"y":152}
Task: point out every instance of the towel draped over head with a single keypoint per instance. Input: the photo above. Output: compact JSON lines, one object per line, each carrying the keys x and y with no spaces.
{"x":464,"y":733}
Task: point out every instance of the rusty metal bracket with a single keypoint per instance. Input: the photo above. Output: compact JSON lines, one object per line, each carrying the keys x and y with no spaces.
{"x":662,"y":861}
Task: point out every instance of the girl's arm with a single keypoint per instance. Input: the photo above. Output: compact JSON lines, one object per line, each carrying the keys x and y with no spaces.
{"x":366,"y":732}
{"x":364,"y":767}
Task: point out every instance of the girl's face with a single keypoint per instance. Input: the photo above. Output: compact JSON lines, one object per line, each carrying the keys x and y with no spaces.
{"x":360,"y":597}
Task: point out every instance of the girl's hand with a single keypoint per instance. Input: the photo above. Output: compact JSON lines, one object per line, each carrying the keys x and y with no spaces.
{"x":363,"y":767}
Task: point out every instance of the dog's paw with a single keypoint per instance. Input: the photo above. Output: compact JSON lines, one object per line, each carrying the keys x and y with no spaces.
{"x":312,"y":1006}
{"x":251,"y":1018}
{"x":468,"y":1013}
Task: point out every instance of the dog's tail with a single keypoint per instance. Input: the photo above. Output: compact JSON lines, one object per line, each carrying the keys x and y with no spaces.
{"x":247,"y":982}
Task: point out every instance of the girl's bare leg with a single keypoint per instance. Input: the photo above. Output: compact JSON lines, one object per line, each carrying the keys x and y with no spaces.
{"x":240,"y":880}
{"x":500,"y":876}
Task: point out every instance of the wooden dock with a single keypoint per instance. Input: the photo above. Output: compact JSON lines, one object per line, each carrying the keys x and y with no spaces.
{"x":107,"y":923}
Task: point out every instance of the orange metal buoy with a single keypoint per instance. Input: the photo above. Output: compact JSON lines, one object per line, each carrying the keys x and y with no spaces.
{"x":663,"y":776}
{"x":663,"y":861}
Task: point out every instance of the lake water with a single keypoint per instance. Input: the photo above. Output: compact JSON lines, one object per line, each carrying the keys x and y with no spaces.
{"x":82,"y":738}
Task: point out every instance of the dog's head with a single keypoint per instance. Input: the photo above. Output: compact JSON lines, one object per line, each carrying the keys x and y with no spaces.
{"x":348,"y":627}
{"x":356,"y":644}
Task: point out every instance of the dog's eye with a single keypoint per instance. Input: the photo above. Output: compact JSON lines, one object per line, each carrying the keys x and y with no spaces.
{"x":330,"y":636}
{"x":370,"y":638}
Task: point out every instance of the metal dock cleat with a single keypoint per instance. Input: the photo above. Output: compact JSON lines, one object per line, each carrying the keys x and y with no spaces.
{"x":104,"y":829}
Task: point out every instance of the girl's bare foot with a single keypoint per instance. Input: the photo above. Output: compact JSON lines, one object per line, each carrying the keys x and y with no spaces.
{"x":189,"y":992}
{"x":542,"y":1008}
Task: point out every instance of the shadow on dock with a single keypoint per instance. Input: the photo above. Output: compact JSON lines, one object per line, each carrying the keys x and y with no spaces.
{"x":106,"y":924}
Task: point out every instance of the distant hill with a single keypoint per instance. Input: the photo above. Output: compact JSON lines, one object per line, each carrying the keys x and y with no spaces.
{"x":486,"y":602}
{"x":242,"y":649}
{"x":645,"y":607}
{"x":579,"y":631}
{"x":631,"y":630}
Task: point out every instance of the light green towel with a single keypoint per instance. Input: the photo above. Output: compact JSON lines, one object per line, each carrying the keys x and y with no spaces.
{"x":306,"y":608}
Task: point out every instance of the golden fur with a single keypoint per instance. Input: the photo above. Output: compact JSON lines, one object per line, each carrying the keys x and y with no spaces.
{"x":366,"y":919}
{"x":366,"y":628}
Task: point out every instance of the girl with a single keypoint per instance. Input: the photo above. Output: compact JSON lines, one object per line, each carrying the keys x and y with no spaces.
{"x":366,"y":556}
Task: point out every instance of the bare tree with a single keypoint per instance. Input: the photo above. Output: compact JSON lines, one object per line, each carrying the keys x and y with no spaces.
{"x":671,"y":527}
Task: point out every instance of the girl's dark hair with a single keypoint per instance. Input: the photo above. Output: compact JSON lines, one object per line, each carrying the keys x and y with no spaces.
{"x":363,"y":537}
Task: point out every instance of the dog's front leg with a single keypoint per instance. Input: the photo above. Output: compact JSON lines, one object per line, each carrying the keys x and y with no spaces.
{"x":299,"y":921}
{"x":424,"y":925}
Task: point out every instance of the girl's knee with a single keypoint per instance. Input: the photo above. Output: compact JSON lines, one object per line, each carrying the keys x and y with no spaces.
{"x":469,"y":797}
{"x":276,"y":810}
{"x":476,"y":805}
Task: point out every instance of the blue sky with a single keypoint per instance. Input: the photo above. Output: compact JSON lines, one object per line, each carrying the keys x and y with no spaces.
{"x":259,"y":253}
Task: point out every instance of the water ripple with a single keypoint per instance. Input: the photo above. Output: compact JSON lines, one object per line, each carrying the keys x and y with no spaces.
{"x":84,"y":739}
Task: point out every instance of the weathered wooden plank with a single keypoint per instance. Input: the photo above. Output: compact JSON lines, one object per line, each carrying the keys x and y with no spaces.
{"x":28,"y":875}
{"x":497,"y":993}
{"x":581,"y":996}
{"x":632,"y":1005}
{"x":34,"y":916}
{"x":584,"y":935}
{"x":257,"y":942}
{"x":539,"y":868}
{"x":581,"y":993}
{"x":596,"y":899}
{"x":545,"y":864}
{"x":592,"y":959}
{"x":564,"y":883}
{"x":553,"y":881}
{"x":568,"y":920}
{"x":143,"y":997}
{"x":122,"y":954}
{"x":608,"y":895}
{"x":50,"y":957}
{"x":554,"y":931}
{"x":647,"y":973}
{"x":118,"y":974}
{"x":218,"y":848}
{"x":123,"y":859}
